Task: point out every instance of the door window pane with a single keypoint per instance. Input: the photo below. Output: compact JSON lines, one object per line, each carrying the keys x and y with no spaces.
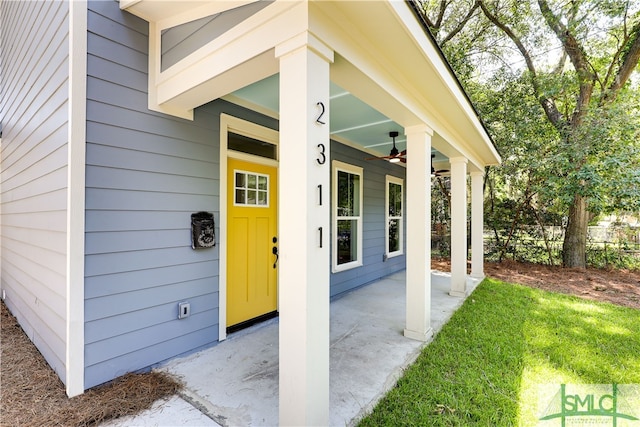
{"x":262,"y":198}
{"x":251,"y":189}
{"x":251,"y":197}
{"x":262,"y":182}
{"x":240,"y":180}
{"x":241,"y":197}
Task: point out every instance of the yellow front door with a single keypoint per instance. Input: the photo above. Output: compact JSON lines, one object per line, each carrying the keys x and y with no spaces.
{"x":252,"y":236}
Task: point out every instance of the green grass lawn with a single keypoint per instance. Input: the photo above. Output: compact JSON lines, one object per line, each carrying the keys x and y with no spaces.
{"x":503,"y":350}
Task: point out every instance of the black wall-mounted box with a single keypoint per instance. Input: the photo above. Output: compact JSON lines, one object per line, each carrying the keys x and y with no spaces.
{"x":203,"y":234}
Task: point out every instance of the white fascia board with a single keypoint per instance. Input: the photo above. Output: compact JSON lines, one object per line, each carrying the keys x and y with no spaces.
{"x":357,"y":68}
{"x":381,"y":92}
{"x":231,"y":61}
{"x":369,"y":76}
{"x":212,"y":78}
{"x":256,"y":69}
{"x":462,"y":136}
{"x":417,"y":32}
{"x":237,"y":37}
{"x":390,"y":81}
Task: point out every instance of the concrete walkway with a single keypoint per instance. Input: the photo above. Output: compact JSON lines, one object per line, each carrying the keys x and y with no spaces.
{"x":235,"y":383}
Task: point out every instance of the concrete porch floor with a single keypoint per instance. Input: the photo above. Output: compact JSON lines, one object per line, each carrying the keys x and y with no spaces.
{"x":235,"y":383}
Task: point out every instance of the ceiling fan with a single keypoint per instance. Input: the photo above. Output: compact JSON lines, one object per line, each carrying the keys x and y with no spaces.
{"x":438,"y":172}
{"x":396,"y":156}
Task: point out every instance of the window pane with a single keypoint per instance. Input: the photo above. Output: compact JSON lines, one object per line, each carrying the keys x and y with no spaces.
{"x":262,"y":182}
{"x":348,"y":194}
{"x":398,"y":200}
{"x":347,"y":241}
{"x":355,"y":179}
{"x":240,"y":197}
{"x":251,"y":197}
{"x":394,"y":235}
{"x":395,"y":199}
{"x":251,"y":189}
{"x":262,"y":198}
{"x":392,"y":197}
{"x":251,"y":181}
{"x":240,"y":180}
{"x":252,"y":146}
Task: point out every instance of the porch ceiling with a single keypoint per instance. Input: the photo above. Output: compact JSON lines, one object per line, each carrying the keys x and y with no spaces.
{"x":351,"y":121}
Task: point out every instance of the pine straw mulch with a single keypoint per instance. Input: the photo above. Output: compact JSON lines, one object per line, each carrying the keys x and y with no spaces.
{"x":31,"y":394}
{"x":621,"y":287}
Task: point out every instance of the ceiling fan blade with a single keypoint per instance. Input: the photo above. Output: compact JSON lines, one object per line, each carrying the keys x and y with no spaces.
{"x":378,"y":158}
{"x":394,"y":155}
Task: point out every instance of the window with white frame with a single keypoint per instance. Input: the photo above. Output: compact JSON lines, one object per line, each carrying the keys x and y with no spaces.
{"x":394,"y":212}
{"x":251,"y":189}
{"x":346,"y":205}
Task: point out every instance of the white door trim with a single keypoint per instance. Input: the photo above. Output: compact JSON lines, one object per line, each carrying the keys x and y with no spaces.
{"x":242,"y":127}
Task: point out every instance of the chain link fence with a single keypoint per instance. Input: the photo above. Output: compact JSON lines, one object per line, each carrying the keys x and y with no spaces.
{"x":607,"y":247}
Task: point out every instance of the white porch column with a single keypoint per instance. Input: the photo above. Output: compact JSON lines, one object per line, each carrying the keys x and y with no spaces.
{"x":304,"y":258}
{"x":458,"y":226}
{"x":418,"y":314}
{"x":477,"y":224}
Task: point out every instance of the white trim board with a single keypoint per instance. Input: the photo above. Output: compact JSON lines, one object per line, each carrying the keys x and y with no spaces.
{"x":242,"y":127}
{"x":76,"y":196}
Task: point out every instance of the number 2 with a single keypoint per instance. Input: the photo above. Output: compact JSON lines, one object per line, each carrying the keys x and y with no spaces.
{"x":318,"y":120}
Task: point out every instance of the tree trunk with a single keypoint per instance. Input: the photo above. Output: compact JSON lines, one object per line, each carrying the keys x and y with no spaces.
{"x":574,"y":248}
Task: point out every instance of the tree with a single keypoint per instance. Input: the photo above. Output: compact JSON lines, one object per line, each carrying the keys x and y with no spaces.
{"x":579,"y":56}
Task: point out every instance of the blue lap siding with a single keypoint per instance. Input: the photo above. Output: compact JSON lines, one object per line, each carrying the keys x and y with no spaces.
{"x":145,"y":174}
{"x":373,"y":249}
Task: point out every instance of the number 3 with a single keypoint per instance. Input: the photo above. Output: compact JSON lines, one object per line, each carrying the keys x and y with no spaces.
{"x":322,"y":157}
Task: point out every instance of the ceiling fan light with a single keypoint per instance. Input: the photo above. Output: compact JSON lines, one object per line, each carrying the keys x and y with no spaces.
{"x":394,"y":160}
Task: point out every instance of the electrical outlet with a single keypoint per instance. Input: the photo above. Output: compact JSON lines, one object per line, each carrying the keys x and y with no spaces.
{"x":184,"y":310}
